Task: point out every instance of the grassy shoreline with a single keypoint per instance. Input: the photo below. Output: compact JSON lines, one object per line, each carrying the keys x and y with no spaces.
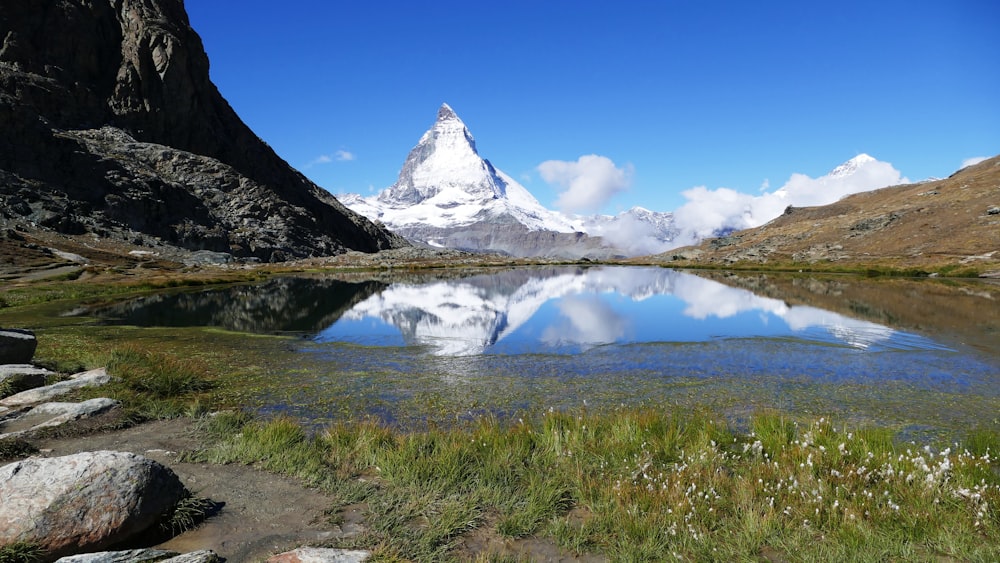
{"x":631,"y":484}
{"x":628,"y":484}
{"x":642,"y":485}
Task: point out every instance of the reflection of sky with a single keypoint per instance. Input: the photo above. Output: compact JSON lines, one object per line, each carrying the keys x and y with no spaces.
{"x":580,"y":309}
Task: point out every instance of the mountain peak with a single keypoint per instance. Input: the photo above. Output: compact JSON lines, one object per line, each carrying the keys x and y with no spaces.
{"x":446,"y":113}
{"x":445,"y":159}
{"x":851,"y":165}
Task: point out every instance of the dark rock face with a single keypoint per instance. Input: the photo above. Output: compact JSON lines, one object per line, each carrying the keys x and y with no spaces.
{"x":109,"y":124}
{"x":17,"y":346}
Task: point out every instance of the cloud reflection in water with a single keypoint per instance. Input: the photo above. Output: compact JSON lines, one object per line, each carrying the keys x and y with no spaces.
{"x":564,"y":310}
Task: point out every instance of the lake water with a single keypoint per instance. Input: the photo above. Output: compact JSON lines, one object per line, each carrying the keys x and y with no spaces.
{"x":521,"y":340}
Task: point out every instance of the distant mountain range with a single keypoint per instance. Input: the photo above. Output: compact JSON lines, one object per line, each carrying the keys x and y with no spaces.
{"x":447,"y":195}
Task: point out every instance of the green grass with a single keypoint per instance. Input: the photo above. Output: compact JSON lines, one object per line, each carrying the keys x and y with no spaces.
{"x":21,"y":552}
{"x":68,"y":287}
{"x":13,"y":448}
{"x":150,"y":385}
{"x":186,"y":515}
{"x":644,"y":486}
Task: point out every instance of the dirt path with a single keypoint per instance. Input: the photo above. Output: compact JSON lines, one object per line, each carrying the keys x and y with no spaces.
{"x":262,"y":513}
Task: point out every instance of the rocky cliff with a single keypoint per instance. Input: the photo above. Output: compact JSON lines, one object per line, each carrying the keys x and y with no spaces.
{"x":109,"y":125}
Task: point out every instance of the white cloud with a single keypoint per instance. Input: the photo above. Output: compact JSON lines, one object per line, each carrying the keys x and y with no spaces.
{"x":708,"y":211}
{"x":632,"y":236}
{"x":586,"y":321}
{"x":589,"y":182}
{"x":338,"y":156}
{"x":972,"y":161}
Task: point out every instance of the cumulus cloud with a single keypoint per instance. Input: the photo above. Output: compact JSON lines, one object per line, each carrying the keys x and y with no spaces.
{"x":337,"y":156}
{"x":588,"y":183}
{"x":632,"y":236}
{"x":972,"y":161}
{"x":712,"y":211}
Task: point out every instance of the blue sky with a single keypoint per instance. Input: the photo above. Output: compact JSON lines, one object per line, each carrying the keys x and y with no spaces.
{"x":680,"y":93}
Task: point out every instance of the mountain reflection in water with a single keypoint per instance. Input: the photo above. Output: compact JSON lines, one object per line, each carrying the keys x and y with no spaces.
{"x":418,"y":347}
{"x":570,"y":310}
{"x":288,"y":304}
{"x":537,"y":310}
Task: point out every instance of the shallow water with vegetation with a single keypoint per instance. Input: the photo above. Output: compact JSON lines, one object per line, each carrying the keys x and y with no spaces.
{"x":916,"y":356}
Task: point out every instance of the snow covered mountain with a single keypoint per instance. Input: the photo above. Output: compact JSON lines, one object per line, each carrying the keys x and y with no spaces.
{"x":447,"y":195}
{"x":445,"y":183}
{"x":637,"y":231}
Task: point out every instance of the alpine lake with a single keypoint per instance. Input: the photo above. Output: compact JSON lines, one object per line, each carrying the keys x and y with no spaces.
{"x":919,"y":356}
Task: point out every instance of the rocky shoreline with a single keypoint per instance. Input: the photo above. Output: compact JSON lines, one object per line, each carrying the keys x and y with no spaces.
{"x":73,"y":498}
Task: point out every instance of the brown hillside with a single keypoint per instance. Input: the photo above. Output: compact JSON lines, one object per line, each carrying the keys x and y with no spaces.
{"x":952,"y":224}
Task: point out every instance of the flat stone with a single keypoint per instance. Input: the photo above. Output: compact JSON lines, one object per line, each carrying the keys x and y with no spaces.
{"x":22,"y":369}
{"x":15,"y":378}
{"x":143,"y":555}
{"x":90,"y":378}
{"x":127,"y":556}
{"x":320,"y":555}
{"x":47,"y":415}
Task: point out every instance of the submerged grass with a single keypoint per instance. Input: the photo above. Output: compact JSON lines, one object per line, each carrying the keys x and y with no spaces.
{"x":69,"y":288}
{"x":649,"y":485}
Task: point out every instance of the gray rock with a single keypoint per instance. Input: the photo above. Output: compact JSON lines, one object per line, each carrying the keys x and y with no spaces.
{"x":141,"y":555}
{"x":7,"y":370}
{"x":207,"y":257}
{"x":84,"y":502}
{"x":128,"y":556}
{"x":49,"y":415}
{"x":90,"y":378}
{"x":15,"y":378}
{"x":17,"y":346}
{"x":320,"y":555}
{"x":200,"y":556}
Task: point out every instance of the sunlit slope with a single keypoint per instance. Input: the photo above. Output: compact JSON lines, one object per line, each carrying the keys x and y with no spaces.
{"x":951,"y":224}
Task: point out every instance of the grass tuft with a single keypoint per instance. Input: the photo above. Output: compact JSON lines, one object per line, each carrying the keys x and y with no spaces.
{"x":21,"y":552}
{"x":187,"y":514}
{"x":158,"y":375}
{"x":15,"y":448}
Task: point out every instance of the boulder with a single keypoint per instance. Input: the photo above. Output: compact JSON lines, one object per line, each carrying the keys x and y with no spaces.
{"x":90,"y":378}
{"x":143,"y":555}
{"x":17,"y":346}
{"x":320,"y":555}
{"x":84,"y":502}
